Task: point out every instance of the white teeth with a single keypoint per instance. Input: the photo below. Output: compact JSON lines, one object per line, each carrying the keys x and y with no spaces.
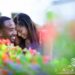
{"x":13,"y":37}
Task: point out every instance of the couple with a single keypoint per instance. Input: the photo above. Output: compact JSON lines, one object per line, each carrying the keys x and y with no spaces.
{"x":21,"y":31}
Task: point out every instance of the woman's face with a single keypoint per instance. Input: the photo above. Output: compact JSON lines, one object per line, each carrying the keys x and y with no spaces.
{"x":22,"y":31}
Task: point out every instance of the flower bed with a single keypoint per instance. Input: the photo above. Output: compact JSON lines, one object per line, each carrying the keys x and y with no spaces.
{"x":15,"y":61}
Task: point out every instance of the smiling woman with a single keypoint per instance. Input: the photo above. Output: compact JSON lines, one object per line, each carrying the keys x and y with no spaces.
{"x":27,"y":35}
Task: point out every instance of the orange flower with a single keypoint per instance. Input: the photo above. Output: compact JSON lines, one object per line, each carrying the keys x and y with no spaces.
{"x":5,"y":57}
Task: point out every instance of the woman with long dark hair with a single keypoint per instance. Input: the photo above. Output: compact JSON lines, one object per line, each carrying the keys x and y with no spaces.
{"x":26,"y":32}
